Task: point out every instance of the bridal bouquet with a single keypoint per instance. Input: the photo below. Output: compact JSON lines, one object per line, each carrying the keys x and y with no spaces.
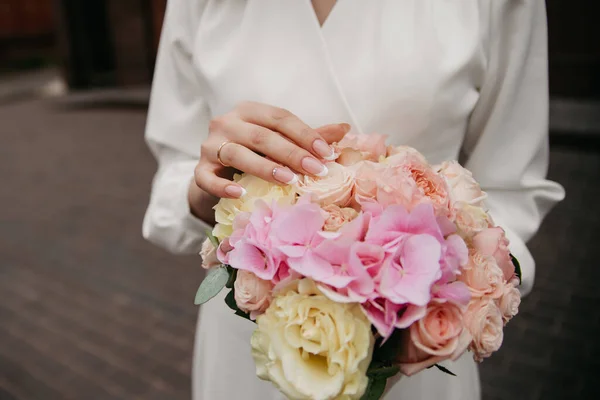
{"x":386,"y":265}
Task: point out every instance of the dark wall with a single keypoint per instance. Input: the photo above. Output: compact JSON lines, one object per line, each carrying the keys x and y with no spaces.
{"x":574,"y":45}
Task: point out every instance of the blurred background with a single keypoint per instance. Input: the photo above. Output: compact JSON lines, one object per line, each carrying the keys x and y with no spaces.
{"x":89,"y":310}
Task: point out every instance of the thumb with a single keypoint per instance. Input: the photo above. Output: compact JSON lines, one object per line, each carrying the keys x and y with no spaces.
{"x":334,"y":132}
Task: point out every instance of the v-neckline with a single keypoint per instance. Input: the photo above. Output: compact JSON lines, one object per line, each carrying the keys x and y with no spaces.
{"x":320,"y":25}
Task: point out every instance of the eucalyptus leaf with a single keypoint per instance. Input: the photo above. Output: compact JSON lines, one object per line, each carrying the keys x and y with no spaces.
{"x":215,"y":281}
{"x":375,"y":389}
{"x":517,"y":267}
{"x":212,"y":238}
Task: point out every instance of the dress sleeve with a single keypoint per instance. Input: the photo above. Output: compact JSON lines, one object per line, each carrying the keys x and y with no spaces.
{"x":177,"y":124}
{"x":506,"y":145}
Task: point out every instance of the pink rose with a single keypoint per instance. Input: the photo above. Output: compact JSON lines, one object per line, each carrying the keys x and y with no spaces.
{"x":335,"y":188}
{"x":484,"y":321}
{"x":209,"y":255}
{"x":509,"y":302}
{"x":436,"y":337}
{"x":371,"y":146}
{"x":252,"y":294}
{"x":483,"y":276}
{"x":397,"y":155}
{"x":471,"y":220}
{"x":463,"y":186}
{"x":396,"y":186}
{"x":493,"y":242}
{"x":337,"y":217}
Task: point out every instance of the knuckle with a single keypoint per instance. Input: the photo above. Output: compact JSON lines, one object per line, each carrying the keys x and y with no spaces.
{"x":281,"y":114}
{"x":217,"y":124}
{"x":228,"y":153}
{"x":258,"y":137}
{"x":205,"y":149}
{"x":293,"y":154}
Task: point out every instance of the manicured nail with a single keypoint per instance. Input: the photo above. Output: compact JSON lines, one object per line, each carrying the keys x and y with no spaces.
{"x":324,"y":150}
{"x":346,"y":127}
{"x":235,"y":191}
{"x":314,"y":167}
{"x":284,"y":175}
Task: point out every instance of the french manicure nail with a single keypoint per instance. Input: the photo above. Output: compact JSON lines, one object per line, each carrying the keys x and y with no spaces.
{"x":284,"y":175}
{"x":324,"y":150}
{"x":235,"y":191}
{"x":314,"y":167}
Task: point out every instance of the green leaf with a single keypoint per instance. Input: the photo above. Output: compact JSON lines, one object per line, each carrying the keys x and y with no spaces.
{"x":215,"y":281}
{"x":212,"y":238}
{"x":232,"y":276}
{"x":517,"y":266}
{"x":375,"y":389}
{"x":444,"y":369}
{"x":382,"y":371}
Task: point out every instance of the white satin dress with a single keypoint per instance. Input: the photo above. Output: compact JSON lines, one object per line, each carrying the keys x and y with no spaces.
{"x":451,"y":78}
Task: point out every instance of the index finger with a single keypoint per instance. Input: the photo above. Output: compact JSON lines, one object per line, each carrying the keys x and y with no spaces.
{"x":288,"y":125}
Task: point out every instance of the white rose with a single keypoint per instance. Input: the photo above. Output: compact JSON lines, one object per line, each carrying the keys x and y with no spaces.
{"x":464,"y":186}
{"x":335,"y":188}
{"x":311,"y":347}
{"x":252,"y":294}
{"x":483,"y":319}
{"x":209,"y":255}
{"x":509,"y":302}
{"x":256,"y":188}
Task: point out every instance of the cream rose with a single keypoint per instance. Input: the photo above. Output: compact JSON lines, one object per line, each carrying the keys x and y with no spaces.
{"x":493,"y":242}
{"x":209,"y":255}
{"x":337,"y":217}
{"x":311,"y":347}
{"x":252,"y":294}
{"x":471,"y":220}
{"x":509,"y":302}
{"x":227,"y":209}
{"x":436,"y":337}
{"x":483,"y":319}
{"x":483,"y":276}
{"x":335,"y":188}
{"x":463,"y":186}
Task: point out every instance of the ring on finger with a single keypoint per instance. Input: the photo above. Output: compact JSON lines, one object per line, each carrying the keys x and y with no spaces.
{"x":219,"y":153}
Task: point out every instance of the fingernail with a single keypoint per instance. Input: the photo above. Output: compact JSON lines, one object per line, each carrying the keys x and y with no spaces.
{"x":235,"y":191}
{"x":346,"y":127}
{"x":284,"y":175}
{"x":324,"y":150}
{"x":314,"y":167}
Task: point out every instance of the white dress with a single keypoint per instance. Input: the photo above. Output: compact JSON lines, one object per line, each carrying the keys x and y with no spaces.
{"x":453,"y":78}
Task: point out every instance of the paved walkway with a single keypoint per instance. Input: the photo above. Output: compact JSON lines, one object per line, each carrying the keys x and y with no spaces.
{"x":91,"y":311}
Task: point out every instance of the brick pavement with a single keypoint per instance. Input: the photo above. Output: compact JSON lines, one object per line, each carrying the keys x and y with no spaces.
{"x":91,"y":311}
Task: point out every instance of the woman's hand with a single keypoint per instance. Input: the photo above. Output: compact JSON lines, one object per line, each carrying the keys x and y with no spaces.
{"x":264,"y":141}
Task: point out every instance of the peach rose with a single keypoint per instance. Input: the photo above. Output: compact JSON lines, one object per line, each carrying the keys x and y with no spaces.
{"x":348,"y":157}
{"x":483,"y":276}
{"x":397,"y":155}
{"x":371,"y":147}
{"x":396,"y":186}
{"x":335,"y":188}
{"x":471,"y":220}
{"x":463,"y":186}
{"x":366,"y":177}
{"x":437,"y":337}
{"x":493,"y":242}
{"x":209,"y":255}
{"x":483,"y":319}
{"x":509,"y":302}
{"x":252,"y":294}
{"x":432,"y":185}
{"x":338,"y":217}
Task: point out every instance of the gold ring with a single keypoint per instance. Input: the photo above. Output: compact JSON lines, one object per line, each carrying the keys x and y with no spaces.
{"x":219,"y":153}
